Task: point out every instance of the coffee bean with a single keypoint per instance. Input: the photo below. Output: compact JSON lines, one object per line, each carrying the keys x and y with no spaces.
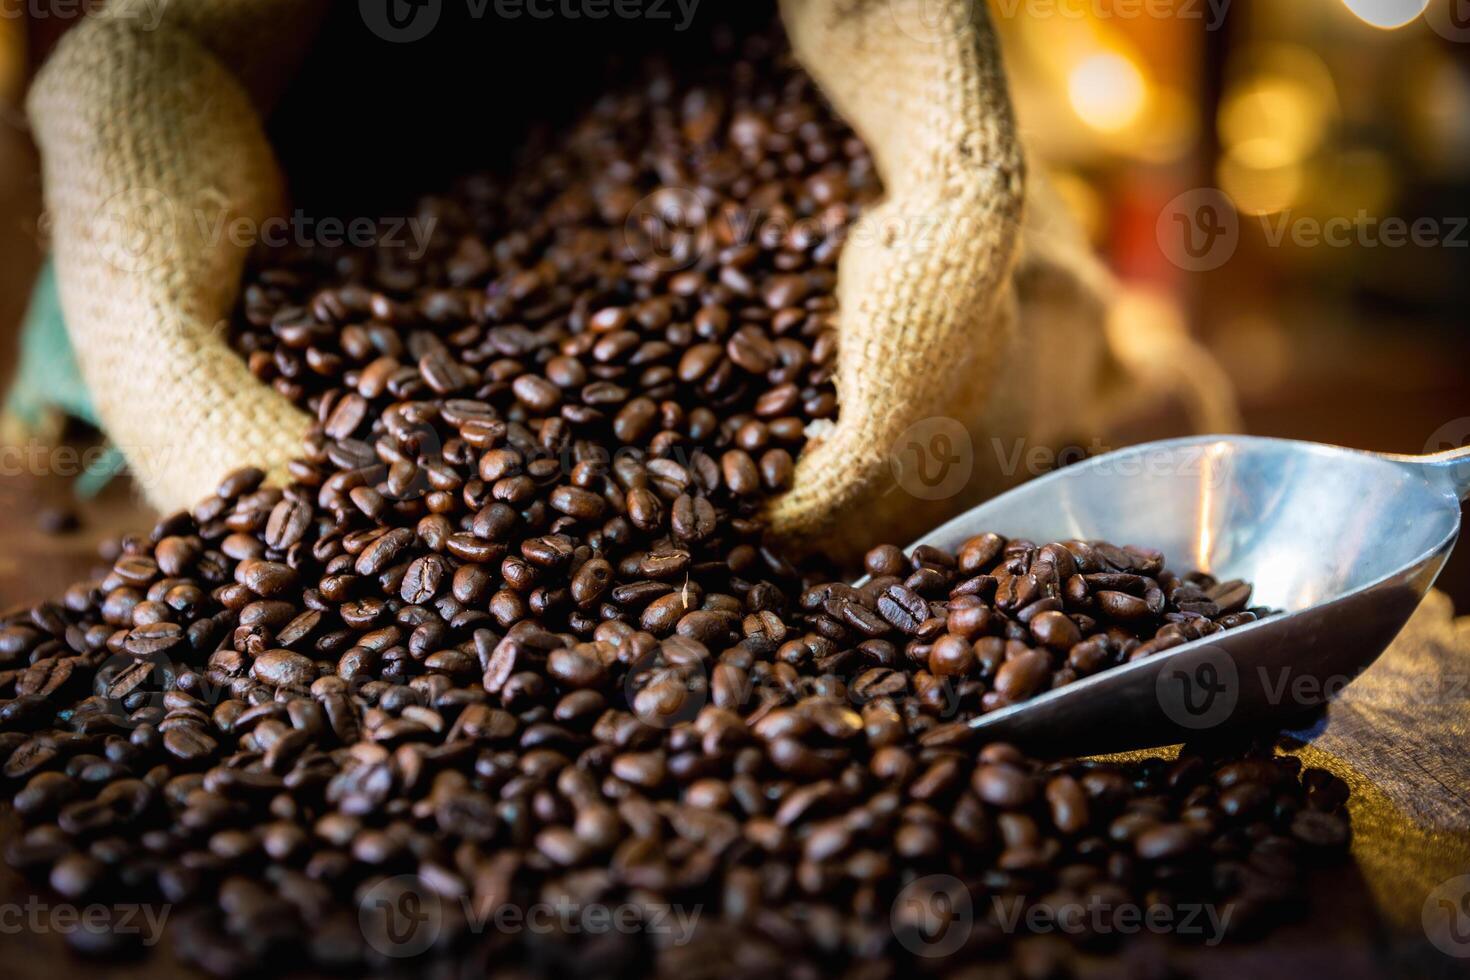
{"x":1002,"y":786}
{"x":1068,"y":802}
{"x":153,"y":640}
{"x":979,"y":553}
{"x":1055,"y":630}
{"x":1120,"y":605}
{"x":578,"y":503}
{"x":265,"y":578}
{"x":644,"y":769}
{"x":1023,"y":675}
{"x":76,"y":875}
{"x":239,"y":482}
{"x":903,"y":608}
{"x":189,"y":744}
{"x":282,"y":668}
{"x":740,"y":472}
{"x":951,"y":655}
{"x":423,"y":579}
{"x":1317,"y":829}
{"x":576,"y":668}
{"x":693,"y":519}
{"x":379,"y":554}
{"x":1165,"y":842}
{"x":511,"y":624}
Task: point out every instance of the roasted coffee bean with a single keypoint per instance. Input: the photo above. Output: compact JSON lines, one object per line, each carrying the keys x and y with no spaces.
{"x":265,"y":578}
{"x":1165,"y":842}
{"x":515,"y":628}
{"x":189,"y":743}
{"x":903,"y":608}
{"x":423,"y":579}
{"x":1002,"y":786}
{"x":1023,"y":675}
{"x":283,"y":668}
{"x":740,"y":472}
{"x":693,"y":519}
{"x":951,"y":655}
{"x":153,"y":640}
{"x":1055,"y":630}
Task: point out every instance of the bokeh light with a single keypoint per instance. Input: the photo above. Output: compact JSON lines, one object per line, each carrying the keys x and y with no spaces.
{"x":1387,"y":14}
{"x":1279,"y":110}
{"x":1107,"y":91}
{"x":1257,"y":183}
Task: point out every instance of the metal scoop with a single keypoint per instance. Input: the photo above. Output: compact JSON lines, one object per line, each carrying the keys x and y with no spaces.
{"x":1345,"y":542}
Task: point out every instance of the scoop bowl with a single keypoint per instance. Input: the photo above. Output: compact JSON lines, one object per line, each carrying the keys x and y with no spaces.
{"x":1346,"y":543}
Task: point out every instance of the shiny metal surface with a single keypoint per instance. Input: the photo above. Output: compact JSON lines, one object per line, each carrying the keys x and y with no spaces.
{"x":1345,"y":542}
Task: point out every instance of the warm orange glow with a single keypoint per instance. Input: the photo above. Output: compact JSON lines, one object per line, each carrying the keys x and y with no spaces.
{"x":12,"y":60}
{"x":1083,"y":202}
{"x":1277,"y":113}
{"x":1171,"y":129}
{"x":1260,"y":180}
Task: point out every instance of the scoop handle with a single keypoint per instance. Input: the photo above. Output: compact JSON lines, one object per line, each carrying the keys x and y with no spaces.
{"x":1450,"y":469}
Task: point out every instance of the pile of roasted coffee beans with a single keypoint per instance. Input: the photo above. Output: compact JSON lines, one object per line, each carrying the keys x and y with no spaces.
{"x":511,"y":640}
{"x":999,"y":622}
{"x":660,"y":278}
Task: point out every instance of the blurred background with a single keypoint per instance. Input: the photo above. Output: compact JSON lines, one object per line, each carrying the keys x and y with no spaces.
{"x":1294,"y":178}
{"x":1296,"y":175}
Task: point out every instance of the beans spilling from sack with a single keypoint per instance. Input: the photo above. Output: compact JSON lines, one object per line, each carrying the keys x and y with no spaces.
{"x":507,"y":672}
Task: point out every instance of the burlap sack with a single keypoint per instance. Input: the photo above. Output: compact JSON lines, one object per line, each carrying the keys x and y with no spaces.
{"x":970,"y":323}
{"x":141,"y":126}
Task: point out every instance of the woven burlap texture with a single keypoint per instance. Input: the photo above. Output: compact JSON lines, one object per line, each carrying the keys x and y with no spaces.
{"x":156,"y":168}
{"x":961,"y":300}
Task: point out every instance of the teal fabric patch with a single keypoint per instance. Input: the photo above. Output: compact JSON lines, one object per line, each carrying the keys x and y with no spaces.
{"x":47,"y":377}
